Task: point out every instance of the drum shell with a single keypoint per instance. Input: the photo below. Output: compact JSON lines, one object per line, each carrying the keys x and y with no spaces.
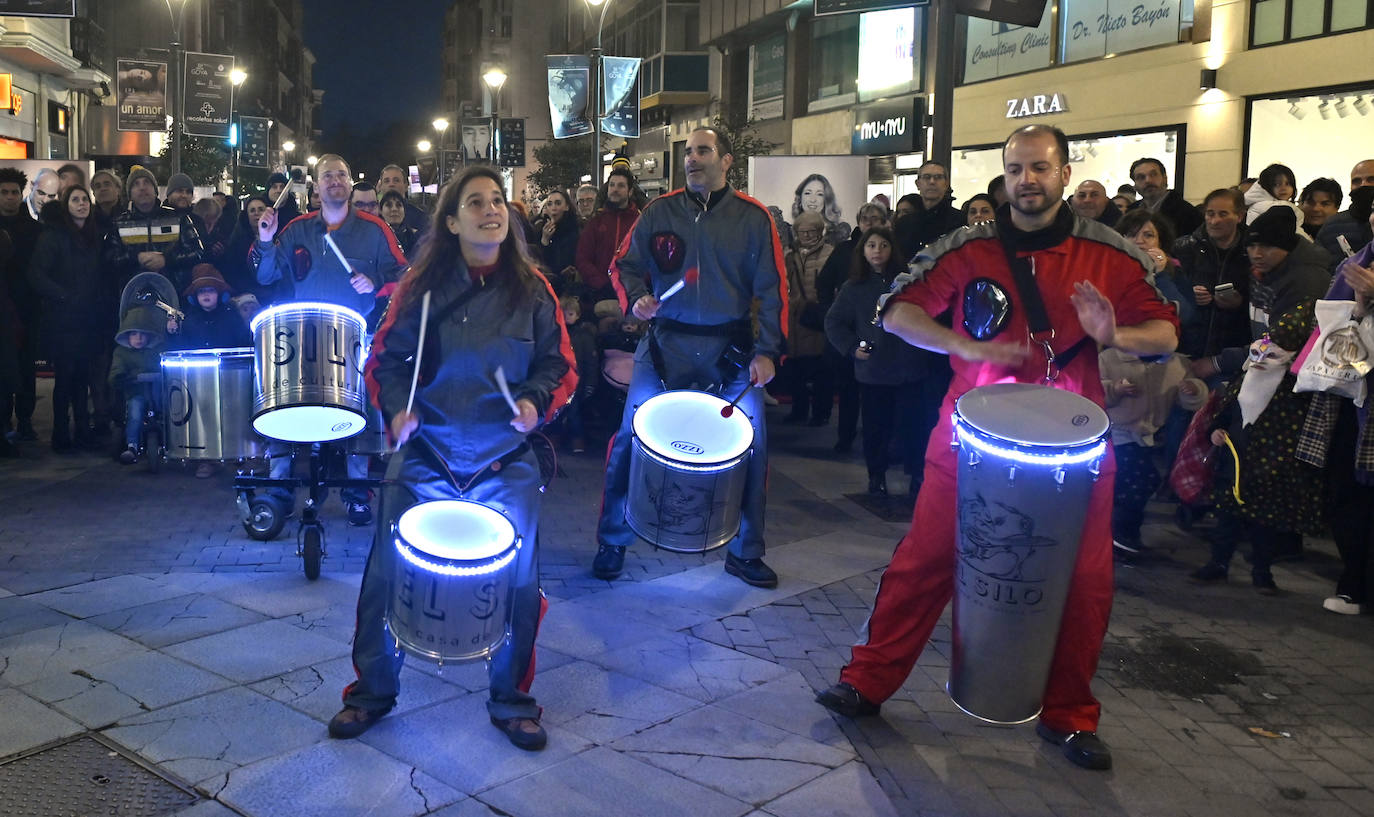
{"x":687,"y":509}
{"x":1019,"y":527}
{"x":207,"y":397}
{"x":309,"y":356}
{"x":372,"y":439}
{"x":451,"y":618}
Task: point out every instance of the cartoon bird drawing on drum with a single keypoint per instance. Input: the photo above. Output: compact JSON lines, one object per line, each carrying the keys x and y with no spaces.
{"x":683,"y":510}
{"x":997,"y":539}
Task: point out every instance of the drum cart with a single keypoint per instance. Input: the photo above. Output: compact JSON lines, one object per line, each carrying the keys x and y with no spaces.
{"x":264,"y":517}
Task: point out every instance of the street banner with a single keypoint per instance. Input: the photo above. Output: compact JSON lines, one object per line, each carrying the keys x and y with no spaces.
{"x":476,"y":144}
{"x":253,"y":132}
{"x":141,"y":89}
{"x":38,"y":8}
{"x":620,"y":90}
{"x":510,"y":142}
{"x":209,"y":96}
{"x":569,"y":80}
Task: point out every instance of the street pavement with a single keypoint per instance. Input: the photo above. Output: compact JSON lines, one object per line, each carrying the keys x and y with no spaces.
{"x":133,"y":607}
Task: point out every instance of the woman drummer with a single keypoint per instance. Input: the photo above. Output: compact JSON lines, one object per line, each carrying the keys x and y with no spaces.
{"x":461,"y":439}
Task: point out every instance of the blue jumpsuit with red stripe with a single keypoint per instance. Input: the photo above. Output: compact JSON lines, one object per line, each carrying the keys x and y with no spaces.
{"x":919,"y":581}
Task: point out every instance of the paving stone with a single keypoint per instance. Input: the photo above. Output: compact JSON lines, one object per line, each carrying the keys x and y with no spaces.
{"x":258,"y":651}
{"x":28,"y":723}
{"x":58,"y":650}
{"x":101,"y":694}
{"x":602,"y":706}
{"x":333,"y":778}
{"x":317,"y":690}
{"x":180,"y":618}
{"x":690,"y":666}
{"x":845,"y":791}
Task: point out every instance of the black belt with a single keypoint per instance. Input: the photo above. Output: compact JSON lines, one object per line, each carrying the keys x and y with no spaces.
{"x":739,"y":336}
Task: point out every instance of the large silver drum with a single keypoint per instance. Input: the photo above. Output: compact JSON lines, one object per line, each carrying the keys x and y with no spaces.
{"x":1028,"y":458}
{"x":309,"y":361}
{"x":451,"y":594}
{"x":688,"y":466}
{"x":208,"y":400}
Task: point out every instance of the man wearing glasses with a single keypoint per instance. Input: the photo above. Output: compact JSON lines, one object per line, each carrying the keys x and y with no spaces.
{"x":701,"y":337}
{"x":938,"y":215}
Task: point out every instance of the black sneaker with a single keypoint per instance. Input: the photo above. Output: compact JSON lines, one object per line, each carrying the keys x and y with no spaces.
{"x":1083,"y":748}
{"x":359,"y":514}
{"x":1265,"y":585}
{"x":848,"y":701}
{"x":352,"y":721}
{"x":609,"y":561}
{"x":128,"y":456}
{"x":751,"y":571}
{"x":877,"y":486}
{"x":26,"y":432}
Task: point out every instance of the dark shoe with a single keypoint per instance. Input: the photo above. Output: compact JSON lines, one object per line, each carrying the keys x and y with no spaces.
{"x":751,"y":571}
{"x":352,"y":721}
{"x":843,"y":446}
{"x":877,"y":486}
{"x":1209,"y":573}
{"x":579,"y":445}
{"x":523,"y":733}
{"x":609,"y":561}
{"x":100,"y":429}
{"x":848,"y":701}
{"x":26,"y":432}
{"x":359,"y":514}
{"x":128,"y":456}
{"x":1084,"y":749}
{"x":1265,"y":586}
{"x":1127,"y":545}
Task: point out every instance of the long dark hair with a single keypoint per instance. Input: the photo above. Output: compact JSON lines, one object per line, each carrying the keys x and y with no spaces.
{"x":1135,"y":220}
{"x":1270,"y":177}
{"x":440,"y":251}
{"x":859,"y":269}
{"x":87,"y":234}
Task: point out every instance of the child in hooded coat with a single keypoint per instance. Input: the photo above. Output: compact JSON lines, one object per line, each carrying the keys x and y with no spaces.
{"x":142,"y":332}
{"x":211,"y":322}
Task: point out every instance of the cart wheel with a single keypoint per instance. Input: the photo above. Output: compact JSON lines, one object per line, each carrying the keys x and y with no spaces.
{"x":265,"y":519}
{"x":312,"y":549}
{"x":152,"y":449}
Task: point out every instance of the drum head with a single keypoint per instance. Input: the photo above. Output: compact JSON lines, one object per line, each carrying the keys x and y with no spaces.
{"x":456,"y":529}
{"x":686,"y":426}
{"x":309,"y":424}
{"x":1028,"y":414}
{"x":196,"y":358}
{"x":305,"y":309}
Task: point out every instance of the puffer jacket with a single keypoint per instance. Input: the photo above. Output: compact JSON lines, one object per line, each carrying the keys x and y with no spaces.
{"x":463,"y":415}
{"x":803,"y":268}
{"x":66,"y":275}
{"x":598,"y":243}
{"x":161,"y":230}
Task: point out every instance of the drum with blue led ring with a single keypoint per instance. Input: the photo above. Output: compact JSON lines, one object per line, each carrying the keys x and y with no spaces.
{"x":207,"y":400}
{"x":1028,"y":456}
{"x":451,"y":591}
{"x":309,"y":372}
{"x":688,"y":466}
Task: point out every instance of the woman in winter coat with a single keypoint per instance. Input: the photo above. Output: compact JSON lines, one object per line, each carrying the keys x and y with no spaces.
{"x":558,"y":237}
{"x":489,"y":308}
{"x":66,"y":273}
{"x":901,"y":385}
{"x":804,"y":372}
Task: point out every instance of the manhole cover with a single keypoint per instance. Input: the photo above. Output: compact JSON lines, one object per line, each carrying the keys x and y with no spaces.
{"x":86,"y":777}
{"x":1182,"y":666}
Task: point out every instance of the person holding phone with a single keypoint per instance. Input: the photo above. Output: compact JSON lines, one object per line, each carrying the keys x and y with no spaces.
{"x":1211,"y":256}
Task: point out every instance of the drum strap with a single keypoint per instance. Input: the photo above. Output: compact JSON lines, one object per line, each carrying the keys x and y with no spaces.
{"x":1038,"y":321}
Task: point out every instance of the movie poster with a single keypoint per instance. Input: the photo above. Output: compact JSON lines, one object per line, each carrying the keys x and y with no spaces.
{"x":141,"y":88}
{"x":833,"y":186}
{"x":569,"y":81}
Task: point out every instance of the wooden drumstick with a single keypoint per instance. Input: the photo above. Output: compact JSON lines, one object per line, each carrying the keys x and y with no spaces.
{"x":690,"y":277}
{"x":419,"y":353}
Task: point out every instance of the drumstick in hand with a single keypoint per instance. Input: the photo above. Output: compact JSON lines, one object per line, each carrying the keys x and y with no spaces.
{"x":419,"y":352}
{"x":329,"y":239}
{"x":690,"y":277}
{"x":730,"y":409}
{"x":505,"y":390}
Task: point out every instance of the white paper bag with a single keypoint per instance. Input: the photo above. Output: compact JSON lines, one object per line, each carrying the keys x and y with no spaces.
{"x":1340,"y":359}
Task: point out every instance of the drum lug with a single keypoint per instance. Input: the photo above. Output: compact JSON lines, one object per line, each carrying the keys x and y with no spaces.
{"x":974,"y":458}
{"x":1095,"y":468}
{"x":1059,"y":475}
{"x":1011,"y":474}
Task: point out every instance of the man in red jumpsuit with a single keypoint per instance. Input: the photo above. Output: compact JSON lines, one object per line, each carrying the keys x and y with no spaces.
{"x":1097,"y":289}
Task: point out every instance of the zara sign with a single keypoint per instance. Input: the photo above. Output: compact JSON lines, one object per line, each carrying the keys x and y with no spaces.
{"x":889,"y":127}
{"x":1036,"y":105}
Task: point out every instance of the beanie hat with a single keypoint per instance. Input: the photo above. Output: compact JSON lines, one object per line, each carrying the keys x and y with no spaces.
{"x":107,"y":172}
{"x":202,"y":276}
{"x":1276,"y":227}
{"x":180,"y":181}
{"x":136,"y":173}
{"x":276,"y":178}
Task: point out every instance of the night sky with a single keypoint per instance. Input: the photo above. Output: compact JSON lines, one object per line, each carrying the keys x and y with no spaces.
{"x":378,"y":63}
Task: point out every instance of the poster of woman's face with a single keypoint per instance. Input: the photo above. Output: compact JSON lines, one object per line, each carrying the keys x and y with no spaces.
{"x":833,"y":187}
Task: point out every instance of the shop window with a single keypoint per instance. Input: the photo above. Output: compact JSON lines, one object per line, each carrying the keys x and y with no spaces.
{"x":834,"y":55}
{"x":1337,"y":120}
{"x":889,"y":52}
{"x":1277,"y":21}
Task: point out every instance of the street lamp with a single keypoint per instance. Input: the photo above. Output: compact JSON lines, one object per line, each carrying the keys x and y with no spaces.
{"x":423,"y":146}
{"x":237,"y":77}
{"x":441,"y":125}
{"x":597,"y":79}
{"x":311,"y":160}
{"x":176,"y":79}
{"x":494,"y":79}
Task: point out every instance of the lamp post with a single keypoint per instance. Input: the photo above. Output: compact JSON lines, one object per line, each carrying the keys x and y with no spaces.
{"x":440,"y":125}
{"x":287,"y":148}
{"x":596,"y":80}
{"x":175,"y":80}
{"x":236,"y":77}
{"x":494,"y":79}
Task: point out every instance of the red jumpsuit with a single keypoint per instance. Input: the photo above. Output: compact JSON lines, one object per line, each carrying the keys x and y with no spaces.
{"x":919,"y":581}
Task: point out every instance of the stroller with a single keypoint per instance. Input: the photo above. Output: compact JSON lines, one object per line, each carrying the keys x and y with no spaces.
{"x":147,"y":300}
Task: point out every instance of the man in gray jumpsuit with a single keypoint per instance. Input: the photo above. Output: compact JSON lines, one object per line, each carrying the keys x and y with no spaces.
{"x":703,"y":336}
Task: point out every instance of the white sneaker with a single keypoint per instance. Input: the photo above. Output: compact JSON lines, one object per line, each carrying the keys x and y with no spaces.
{"x":1344,"y":605}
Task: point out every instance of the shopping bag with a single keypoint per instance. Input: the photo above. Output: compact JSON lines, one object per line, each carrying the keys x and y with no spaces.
{"x":1195,"y":463}
{"x":1340,"y":359}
